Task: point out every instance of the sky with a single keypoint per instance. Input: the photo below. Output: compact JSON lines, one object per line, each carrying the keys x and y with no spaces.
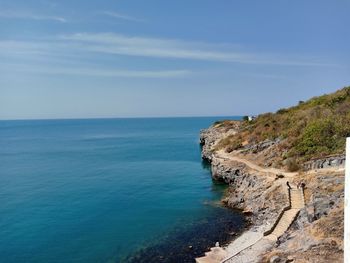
{"x":162,"y":58}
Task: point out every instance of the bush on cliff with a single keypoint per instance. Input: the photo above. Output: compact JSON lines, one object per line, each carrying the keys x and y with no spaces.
{"x":314,"y":128}
{"x":320,"y":137}
{"x":292,"y":165}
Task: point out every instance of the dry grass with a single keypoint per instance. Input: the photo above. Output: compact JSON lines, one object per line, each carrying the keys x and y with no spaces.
{"x":315,"y":128}
{"x":330,"y":227}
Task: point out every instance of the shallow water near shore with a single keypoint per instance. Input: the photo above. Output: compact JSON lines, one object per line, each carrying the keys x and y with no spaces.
{"x":108,"y":190}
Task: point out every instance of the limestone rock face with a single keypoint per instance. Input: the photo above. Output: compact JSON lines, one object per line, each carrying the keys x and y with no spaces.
{"x":256,"y":195}
{"x":258,"y":147}
{"x":249,"y":191}
{"x":210,"y":137}
{"x":333,"y":161}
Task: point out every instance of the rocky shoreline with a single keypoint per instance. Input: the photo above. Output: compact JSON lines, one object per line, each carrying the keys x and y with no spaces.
{"x":186,"y":243}
{"x":250,"y":192}
{"x":313,"y":237}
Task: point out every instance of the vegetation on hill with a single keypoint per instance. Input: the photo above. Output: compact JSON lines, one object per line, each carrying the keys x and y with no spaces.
{"x":312,"y":129}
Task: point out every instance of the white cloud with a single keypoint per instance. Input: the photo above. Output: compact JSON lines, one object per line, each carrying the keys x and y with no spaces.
{"x":111,"y":43}
{"x":114,"y":73}
{"x":150,"y":47}
{"x":29,"y":15}
{"x":80,"y":70}
{"x":120,"y":16}
{"x":80,"y":54}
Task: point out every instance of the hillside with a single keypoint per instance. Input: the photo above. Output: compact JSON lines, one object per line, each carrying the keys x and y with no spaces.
{"x":313,"y":129}
{"x":304,"y":206}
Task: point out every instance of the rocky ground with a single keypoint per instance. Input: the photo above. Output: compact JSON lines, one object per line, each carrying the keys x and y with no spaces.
{"x":317,"y":234}
{"x":209,"y":137}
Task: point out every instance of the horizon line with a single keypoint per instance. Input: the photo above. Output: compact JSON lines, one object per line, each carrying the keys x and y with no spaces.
{"x":134,"y":117}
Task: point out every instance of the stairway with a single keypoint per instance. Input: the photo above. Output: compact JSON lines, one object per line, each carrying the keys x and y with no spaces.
{"x":297,"y":198}
{"x":250,"y":253}
{"x":297,"y":202}
{"x":284,"y":223}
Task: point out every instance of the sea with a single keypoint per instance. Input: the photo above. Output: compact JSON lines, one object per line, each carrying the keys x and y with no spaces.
{"x":109,"y":190}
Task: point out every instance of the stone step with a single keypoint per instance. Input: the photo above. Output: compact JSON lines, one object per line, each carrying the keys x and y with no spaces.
{"x":297,"y":200}
{"x":284,"y":224}
{"x":205,"y":260}
{"x":281,"y":227}
{"x":219,"y":255}
{"x":215,"y":255}
{"x":297,"y":206}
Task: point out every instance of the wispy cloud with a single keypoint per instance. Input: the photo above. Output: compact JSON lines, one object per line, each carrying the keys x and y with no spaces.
{"x":29,"y":15}
{"x":84,"y":54}
{"x":111,"y":43}
{"x":98,"y":72}
{"x":149,"y":47}
{"x":120,"y":16}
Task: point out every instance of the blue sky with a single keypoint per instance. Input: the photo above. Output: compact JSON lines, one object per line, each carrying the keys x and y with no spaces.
{"x":128,"y":58}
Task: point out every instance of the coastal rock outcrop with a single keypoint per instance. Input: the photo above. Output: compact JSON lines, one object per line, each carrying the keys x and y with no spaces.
{"x":254,"y":194}
{"x":249,"y":191}
{"x":316,"y":234}
{"x":210,"y":137}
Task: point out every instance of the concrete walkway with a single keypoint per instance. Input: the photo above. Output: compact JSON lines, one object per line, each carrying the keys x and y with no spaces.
{"x":244,"y":241}
{"x":251,"y":254}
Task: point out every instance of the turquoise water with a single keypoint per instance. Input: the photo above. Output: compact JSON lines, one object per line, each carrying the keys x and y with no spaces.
{"x":100,"y":190}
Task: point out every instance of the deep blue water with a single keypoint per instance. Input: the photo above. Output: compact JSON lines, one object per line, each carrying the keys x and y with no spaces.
{"x":99,"y":190}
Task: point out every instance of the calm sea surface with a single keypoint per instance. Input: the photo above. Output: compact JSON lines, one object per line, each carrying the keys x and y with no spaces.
{"x":104,"y":190}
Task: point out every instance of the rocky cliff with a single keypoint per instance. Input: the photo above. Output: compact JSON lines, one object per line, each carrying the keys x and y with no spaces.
{"x":316,"y":235}
{"x":210,"y":137}
{"x":250,"y":191}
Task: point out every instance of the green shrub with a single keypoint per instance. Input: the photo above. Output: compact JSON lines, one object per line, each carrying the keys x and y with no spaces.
{"x":322,"y":137}
{"x":314,"y":128}
{"x":234,"y":145}
{"x":282,"y":111}
{"x":292,"y":165}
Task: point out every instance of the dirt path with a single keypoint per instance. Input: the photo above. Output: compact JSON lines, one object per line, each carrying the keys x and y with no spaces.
{"x":274,"y":171}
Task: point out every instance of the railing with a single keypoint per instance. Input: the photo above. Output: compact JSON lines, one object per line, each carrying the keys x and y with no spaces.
{"x":303,"y":195}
